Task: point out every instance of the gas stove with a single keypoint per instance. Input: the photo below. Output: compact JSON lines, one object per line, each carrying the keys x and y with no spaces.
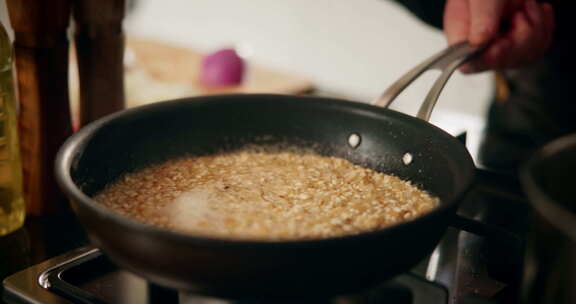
{"x":86,"y":276}
{"x":463,"y":269}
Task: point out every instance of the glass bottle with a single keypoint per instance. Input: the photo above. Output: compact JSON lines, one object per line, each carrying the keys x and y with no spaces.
{"x":12,"y":207}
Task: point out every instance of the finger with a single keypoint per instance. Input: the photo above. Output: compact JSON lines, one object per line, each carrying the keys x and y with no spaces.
{"x":510,"y":50}
{"x":528,"y":38}
{"x":524,"y":42}
{"x":549,"y":17}
{"x":536,"y":19}
{"x":541,"y":26}
{"x":495,"y":56}
{"x":514,"y":5}
{"x":533,"y":12}
{"x":491,"y":58}
{"x":456,"y":21}
{"x":485,"y":18}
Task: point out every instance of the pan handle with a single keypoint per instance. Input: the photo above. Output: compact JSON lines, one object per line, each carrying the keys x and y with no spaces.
{"x":482,"y":229}
{"x":448,"y":60}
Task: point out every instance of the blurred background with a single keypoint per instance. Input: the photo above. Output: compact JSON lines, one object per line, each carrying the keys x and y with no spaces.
{"x":355,"y":49}
{"x":347,"y":49}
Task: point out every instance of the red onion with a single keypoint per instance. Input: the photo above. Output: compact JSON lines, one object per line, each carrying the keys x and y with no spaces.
{"x":222,"y":68}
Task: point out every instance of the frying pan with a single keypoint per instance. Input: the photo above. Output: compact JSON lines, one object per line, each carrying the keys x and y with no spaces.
{"x":550,"y":257}
{"x":127,"y":141}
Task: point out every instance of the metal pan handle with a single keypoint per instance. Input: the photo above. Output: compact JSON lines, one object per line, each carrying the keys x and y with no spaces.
{"x":482,"y":229}
{"x":448,"y":60}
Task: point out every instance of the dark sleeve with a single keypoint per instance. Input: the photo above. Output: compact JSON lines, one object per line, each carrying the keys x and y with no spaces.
{"x":429,"y":11}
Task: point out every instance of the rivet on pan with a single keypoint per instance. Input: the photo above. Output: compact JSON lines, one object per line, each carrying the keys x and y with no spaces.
{"x":354,"y":140}
{"x":407,"y":158}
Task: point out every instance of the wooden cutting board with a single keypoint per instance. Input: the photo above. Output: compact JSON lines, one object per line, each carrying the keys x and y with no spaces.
{"x":181,"y":65}
{"x":158,"y":71}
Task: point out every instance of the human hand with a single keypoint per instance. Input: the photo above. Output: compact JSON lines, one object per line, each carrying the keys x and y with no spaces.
{"x":516,"y":32}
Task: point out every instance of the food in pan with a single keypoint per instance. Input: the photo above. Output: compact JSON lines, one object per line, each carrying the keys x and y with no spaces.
{"x":262,"y":195}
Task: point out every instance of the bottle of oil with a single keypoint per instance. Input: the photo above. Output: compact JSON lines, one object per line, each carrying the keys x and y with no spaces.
{"x":12,"y":207}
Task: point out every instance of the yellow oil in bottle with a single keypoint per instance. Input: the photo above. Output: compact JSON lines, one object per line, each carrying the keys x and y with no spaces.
{"x":12,"y":207}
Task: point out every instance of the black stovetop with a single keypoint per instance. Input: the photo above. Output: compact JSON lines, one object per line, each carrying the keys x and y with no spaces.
{"x":86,"y":276}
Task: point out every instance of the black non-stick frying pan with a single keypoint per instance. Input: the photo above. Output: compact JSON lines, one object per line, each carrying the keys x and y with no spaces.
{"x":130,"y":140}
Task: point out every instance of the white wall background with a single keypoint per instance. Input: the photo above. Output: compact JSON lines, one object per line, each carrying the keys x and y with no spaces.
{"x":350,"y":48}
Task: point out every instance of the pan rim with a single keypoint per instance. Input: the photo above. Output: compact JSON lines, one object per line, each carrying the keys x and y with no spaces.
{"x":548,"y":207}
{"x":77,"y":141}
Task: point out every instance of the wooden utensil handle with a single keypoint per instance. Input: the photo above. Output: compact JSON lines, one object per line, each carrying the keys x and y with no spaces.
{"x":100,"y":70}
{"x":44,"y":123}
{"x":41,"y":51}
{"x":39,"y":24}
{"x":99,"y":52}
